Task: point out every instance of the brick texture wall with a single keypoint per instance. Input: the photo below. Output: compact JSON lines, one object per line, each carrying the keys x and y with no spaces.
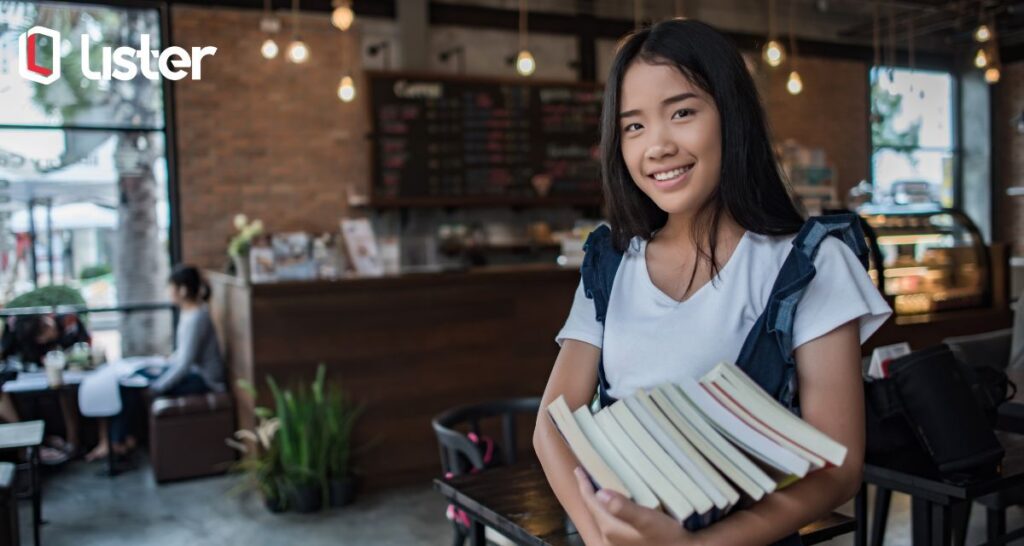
{"x":1008,"y":154}
{"x":831,"y":113}
{"x":266,"y":138}
{"x":272,"y":140}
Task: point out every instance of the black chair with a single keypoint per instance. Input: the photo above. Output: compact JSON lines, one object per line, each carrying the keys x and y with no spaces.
{"x":460,"y":455}
{"x":1000,"y":349}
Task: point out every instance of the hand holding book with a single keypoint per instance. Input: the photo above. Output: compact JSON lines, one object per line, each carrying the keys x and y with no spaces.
{"x":695,"y":449}
{"x":626,"y":523}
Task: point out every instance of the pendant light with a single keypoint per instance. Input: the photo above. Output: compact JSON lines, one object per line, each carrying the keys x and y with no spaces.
{"x":525,"y":64}
{"x":981,"y":58}
{"x":992,"y":73}
{"x":297,"y":52}
{"x":269,"y":25}
{"x":342,"y":17}
{"x":983,"y":33}
{"x":773,"y":52}
{"x":346,"y":87}
{"x":794,"y":84}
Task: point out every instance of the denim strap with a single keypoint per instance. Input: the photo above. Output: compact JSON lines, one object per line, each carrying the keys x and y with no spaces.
{"x":600,"y":263}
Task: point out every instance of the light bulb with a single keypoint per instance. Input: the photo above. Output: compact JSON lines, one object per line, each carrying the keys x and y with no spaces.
{"x":298,"y":53}
{"x":525,"y":64}
{"x":795,"y":85}
{"x":980,"y":59}
{"x":269,"y":49}
{"x":992,"y":75}
{"x":343,"y":16}
{"x":982,"y":33}
{"x":773,"y":53}
{"x":346,"y":89}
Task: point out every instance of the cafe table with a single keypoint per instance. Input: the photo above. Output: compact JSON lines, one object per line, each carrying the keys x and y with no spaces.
{"x":516,"y":501}
{"x":35,"y":384}
{"x":934,"y":496}
{"x":27,"y":435}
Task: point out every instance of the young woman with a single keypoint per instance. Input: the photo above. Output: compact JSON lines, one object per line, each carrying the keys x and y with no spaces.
{"x":196,"y":365}
{"x":704,"y":224}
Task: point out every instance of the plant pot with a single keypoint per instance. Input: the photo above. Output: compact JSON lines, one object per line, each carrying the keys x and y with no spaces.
{"x":274,"y":504}
{"x":241,"y":267}
{"x":342,"y":492}
{"x":305,"y":499}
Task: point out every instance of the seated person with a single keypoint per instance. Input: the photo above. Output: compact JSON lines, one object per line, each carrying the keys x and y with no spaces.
{"x":28,"y":338}
{"x":195,"y":367}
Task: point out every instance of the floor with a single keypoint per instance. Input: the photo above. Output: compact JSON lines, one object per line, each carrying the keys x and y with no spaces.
{"x":84,"y":508}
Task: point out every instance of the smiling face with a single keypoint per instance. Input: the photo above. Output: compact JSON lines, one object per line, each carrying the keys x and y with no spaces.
{"x":670,"y":137}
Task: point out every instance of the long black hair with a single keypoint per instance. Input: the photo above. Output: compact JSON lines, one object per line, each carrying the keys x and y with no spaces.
{"x":188,"y":277}
{"x":750,"y":188}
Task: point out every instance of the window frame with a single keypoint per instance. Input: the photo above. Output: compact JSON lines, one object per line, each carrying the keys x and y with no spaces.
{"x":168,"y":129}
{"x":955,"y":123}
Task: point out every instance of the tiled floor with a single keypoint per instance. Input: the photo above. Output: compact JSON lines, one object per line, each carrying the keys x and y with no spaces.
{"x":86,"y":509}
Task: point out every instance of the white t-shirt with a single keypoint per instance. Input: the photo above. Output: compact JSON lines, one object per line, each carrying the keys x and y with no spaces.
{"x":649,"y":338}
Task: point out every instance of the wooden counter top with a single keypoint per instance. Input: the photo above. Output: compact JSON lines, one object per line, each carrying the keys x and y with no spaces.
{"x":524,"y":273}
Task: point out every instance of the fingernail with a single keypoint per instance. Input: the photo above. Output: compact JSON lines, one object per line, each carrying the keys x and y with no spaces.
{"x":604,"y":496}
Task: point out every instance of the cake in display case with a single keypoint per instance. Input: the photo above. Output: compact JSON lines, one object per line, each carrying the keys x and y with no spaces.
{"x":927,"y":259}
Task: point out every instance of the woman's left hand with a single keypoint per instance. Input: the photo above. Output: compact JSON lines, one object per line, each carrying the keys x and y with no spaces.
{"x":623,"y":522}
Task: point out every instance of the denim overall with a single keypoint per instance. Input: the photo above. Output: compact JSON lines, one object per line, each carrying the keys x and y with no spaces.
{"x":767,"y":353}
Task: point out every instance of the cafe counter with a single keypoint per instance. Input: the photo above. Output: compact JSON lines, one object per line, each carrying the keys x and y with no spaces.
{"x":410,"y":346}
{"x":406,"y":347}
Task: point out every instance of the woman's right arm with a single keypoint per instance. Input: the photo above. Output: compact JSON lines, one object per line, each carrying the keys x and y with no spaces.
{"x":575,"y":377}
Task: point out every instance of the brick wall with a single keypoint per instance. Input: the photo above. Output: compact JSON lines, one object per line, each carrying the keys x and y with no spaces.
{"x":267,"y":138}
{"x":1008,"y":154}
{"x":830,"y":113}
{"x":272,"y":140}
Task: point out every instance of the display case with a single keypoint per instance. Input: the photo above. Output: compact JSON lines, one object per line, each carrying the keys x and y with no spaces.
{"x":926,"y":259}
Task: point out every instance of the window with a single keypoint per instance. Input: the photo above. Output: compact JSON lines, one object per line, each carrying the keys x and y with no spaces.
{"x":83,"y":169}
{"x":70,"y":150}
{"x":912,"y":136}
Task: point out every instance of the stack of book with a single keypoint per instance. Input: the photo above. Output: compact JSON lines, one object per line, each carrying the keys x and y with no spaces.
{"x":695,"y":449}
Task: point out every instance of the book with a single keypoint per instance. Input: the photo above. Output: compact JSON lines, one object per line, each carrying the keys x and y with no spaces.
{"x":673,"y":501}
{"x":361,"y":246}
{"x":683,"y":451}
{"x":726,"y":395}
{"x":643,"y":439}
{"x":753,"y":481}
{"x":696,"y":448}
{"x":735,"y":384}
{"x":753,"y":442}
{"x":642,"y":494}
{"x":595,"y":466}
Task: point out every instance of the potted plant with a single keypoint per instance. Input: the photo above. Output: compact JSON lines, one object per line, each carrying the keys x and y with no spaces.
{"x":339,"y":415}
{"x":261,"y":460}
{"x":302,"y":449}
{"x":238,"y":247}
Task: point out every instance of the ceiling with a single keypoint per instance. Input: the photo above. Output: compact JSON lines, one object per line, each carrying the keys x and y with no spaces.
{"x":936,"y":25}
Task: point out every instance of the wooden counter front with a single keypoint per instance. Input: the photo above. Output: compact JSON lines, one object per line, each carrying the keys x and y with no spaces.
{"x":407,"y":347}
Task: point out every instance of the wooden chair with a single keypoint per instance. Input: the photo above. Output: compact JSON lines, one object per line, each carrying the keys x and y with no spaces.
{"x":460,"y":454}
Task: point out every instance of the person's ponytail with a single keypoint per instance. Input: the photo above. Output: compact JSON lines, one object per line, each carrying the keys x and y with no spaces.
{"x":189,"y":277}
{"x":204,"y":290}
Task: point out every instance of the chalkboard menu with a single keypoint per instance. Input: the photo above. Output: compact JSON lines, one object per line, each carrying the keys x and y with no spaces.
{"x":442,"y":140}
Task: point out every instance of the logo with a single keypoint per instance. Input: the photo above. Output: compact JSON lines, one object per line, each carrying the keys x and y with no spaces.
{"x":28,"y":56}
{"x":123,"y":63}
